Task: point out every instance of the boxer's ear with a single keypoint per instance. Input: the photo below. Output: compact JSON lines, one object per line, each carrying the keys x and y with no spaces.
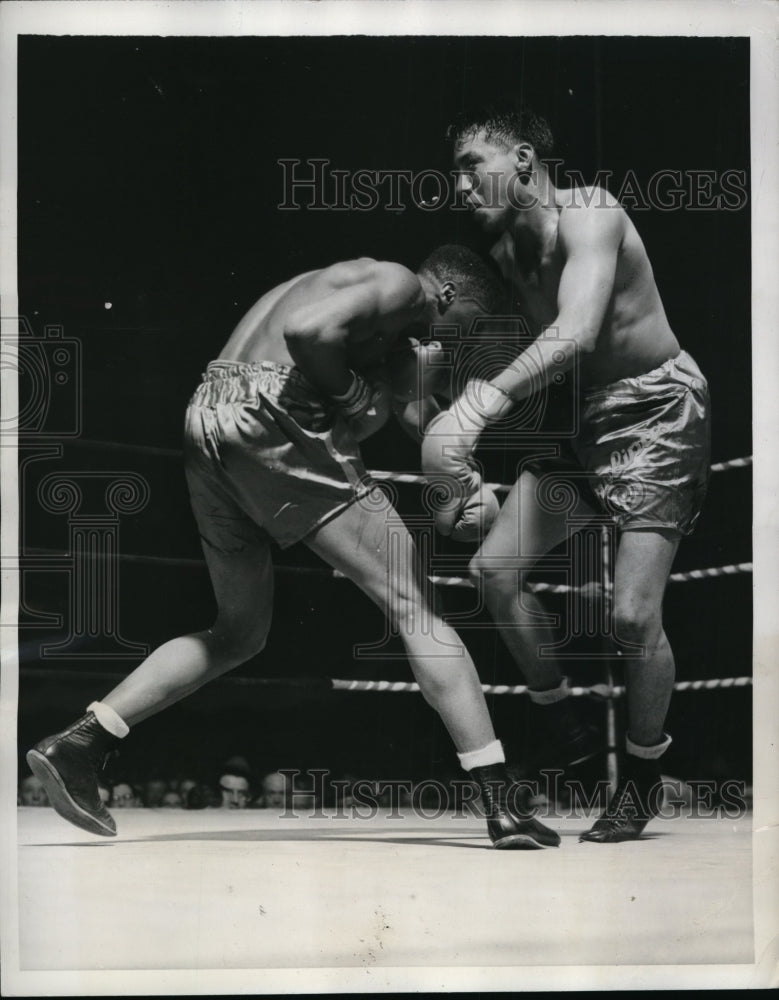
{"x":447,"y":293}
{"x":523,"y":154}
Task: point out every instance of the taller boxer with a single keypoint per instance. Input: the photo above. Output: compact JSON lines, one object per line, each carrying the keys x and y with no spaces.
{"x":585,"y":287}
{"x":271,"y":454}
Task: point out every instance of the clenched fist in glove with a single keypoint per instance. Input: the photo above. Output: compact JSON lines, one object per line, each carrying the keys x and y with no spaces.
{"x":366,"y":406}
{"x":468,"y":508}
{"x":476,"y":516}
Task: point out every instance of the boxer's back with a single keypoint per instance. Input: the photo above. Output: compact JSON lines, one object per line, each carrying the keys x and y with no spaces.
{"x":259,"y":336}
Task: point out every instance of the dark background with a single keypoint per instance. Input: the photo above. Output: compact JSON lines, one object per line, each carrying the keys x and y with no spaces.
{"x":149,"y":179}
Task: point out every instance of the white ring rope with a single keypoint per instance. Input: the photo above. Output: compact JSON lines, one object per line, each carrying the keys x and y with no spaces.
{"x":397,"y":477}
{"x":592,"y":589}
{"x":596,"y":690}
{"x":378,"y":474}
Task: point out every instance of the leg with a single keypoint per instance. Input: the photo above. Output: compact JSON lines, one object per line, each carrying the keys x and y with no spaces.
{"x":644,"y":560}
{"x":375,"y":550}
{"x":360,"y":543}
{"x":524,"y":532}
{"x":243,"y":587}
{"x":70,"y":762}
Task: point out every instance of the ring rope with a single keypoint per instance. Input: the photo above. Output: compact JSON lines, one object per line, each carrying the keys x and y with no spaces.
{"x":378,"y":474}
{"x":600,"y":691}
{"x":596,"y":690}
{"x":442,"y":581}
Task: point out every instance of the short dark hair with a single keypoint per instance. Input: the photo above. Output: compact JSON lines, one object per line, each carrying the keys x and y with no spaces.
{"x":505,"y":122}
{"x":470,"y":272}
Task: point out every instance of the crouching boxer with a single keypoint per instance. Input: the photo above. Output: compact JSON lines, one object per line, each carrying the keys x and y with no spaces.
{"x":272,"y":454}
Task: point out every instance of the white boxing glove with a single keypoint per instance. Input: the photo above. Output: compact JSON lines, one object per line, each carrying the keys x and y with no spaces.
{"x":477,"y":516}
{"x":448,"y":446}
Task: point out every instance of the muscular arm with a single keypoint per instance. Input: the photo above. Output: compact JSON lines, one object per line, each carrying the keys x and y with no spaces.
{"x":317,"y":334}
{"x":590,"y":239}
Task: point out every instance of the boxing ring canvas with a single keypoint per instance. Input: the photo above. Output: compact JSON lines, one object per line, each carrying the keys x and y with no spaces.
{"x":162,"y":167}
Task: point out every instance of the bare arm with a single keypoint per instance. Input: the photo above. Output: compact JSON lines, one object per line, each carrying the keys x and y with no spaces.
{"x":317,"y":334}
{"x":590,"y":239}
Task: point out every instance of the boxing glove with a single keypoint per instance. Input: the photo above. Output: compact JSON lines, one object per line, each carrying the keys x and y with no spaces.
{"x":366,"y":407}
{"x":447,"y":450}
{"x":476,"y":516}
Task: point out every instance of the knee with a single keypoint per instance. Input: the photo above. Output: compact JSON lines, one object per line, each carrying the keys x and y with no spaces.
{"x":639,"y":624}
{"x":497,"y":583}
{"x":236,"y":642}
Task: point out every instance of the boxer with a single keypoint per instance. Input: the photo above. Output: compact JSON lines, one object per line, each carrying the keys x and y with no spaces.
{"x":584,"y":286}
{"x":271,"y":454}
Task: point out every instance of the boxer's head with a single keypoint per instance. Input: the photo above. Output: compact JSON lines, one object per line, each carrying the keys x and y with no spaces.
{"x":498,"y":152}
{"x":459,"y":286}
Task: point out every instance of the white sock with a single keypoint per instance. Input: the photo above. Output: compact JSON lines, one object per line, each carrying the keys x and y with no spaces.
{"x":109,"y":719}
{"x":553,"y":695}
{"x":648,"y":753}
{"x":491,"y":754}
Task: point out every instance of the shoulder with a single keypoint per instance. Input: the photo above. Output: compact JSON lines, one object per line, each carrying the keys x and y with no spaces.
{"x":590,"y":215}
{"x":384,"y":273}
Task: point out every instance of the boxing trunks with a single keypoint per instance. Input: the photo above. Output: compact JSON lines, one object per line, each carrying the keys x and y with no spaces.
{"x":266,"y":455}
{"x":644,"y":445}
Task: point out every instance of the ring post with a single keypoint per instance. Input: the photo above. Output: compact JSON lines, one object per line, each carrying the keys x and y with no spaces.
{"x":612,"y":764}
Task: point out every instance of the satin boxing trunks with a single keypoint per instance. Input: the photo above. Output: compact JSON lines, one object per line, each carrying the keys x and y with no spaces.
{"x":266,"y":456}
{"x":644,"y":444}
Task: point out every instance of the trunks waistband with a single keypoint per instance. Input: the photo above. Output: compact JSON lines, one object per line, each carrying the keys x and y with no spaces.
{"x":683,"y":367}
{"x":237,"y":381}
{"x":220,"y":369}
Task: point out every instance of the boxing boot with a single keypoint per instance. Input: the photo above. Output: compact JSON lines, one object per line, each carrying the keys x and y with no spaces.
{"x":506,"y":827}
{"x":68,"y":764}
{"x":565,"y":740}
{"x":637,"y":799}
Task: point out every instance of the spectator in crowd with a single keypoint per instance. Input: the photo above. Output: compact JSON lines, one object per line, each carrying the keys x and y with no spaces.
{"x":123,"y":796}
{"x":235,"y":789}
{"x":202,"y":796}
{"x":185,"y":785}
{"x":32,"y":792}
{"x":154,"y":791}
{"x":275,"y":791}
{"x":171,"y":800}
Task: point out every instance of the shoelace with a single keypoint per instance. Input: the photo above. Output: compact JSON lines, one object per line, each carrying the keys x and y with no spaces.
{"x":495,"y":802}
{"x":621,"y":809}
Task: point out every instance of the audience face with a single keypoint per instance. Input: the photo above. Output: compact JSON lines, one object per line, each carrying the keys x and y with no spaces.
{"x":274,"y":790}
{"x":185,"y":786}
{"x":32,"y":792}
{"x":235,"y":791}
{"x":171,"y":800}
{"x":123,"y":796}
{"x":154,"y":792}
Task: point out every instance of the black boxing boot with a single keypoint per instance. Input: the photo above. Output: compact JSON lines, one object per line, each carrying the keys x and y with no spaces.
{"x":565,"y":739}
{"x":506,"y":827}
{"x":68,"y":764}
{"x":637,"y":800}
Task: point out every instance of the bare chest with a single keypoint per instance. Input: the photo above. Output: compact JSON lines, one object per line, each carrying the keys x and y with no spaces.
{"x":534,"y":283}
